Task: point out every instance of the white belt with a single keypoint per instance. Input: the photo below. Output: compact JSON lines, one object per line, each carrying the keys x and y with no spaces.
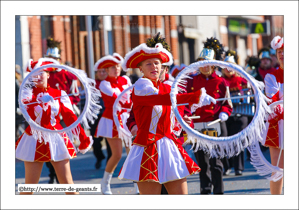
{"x":203,"y":125}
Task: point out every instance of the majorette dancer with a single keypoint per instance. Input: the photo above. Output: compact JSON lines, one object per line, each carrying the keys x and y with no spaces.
{"x":44,"y":106}
{"x":110,"y":88}
{"x":168,"y":79}
{"x":156,"y":156}
{"x":273,"y":139}
{"x":59,"y":79}
{"x":164,"y":77}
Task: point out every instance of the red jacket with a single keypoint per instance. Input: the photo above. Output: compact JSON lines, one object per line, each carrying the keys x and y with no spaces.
{"x":236,"y":82}
{"x":183,"y":110}
{"x":152,"y":109}
{"x":215,"y":87}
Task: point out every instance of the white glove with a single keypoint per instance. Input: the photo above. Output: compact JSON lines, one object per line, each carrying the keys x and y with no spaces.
{"x":204,"y":100}
{"x":46,"y":98}
{"x":223,"y":116}
{"x":207,"y":100}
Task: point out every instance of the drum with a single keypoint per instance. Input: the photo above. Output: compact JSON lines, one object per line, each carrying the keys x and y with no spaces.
{"x":244,"y":109}
{"x":242,"y":106}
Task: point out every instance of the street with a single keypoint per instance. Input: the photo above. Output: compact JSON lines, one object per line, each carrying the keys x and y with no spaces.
{"x":84,"y":172}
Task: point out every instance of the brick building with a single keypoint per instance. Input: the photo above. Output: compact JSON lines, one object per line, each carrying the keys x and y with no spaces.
{"x":120,"y":34}
{"x":238,"y":33}
{"x":109,"y":33}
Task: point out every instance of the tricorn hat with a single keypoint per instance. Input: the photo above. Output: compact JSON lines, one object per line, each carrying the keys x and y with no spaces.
{"x":108,"y":61}
{"x":31,"y":65}
{"x":143,"y":52}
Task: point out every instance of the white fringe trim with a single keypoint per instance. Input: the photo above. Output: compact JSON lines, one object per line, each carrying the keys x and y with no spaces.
{"x":89,"y":146}
{"x":123,"y":134}
{"x":224,"y":146}
{"x":91,"y":108}
{"x":263,"y":167}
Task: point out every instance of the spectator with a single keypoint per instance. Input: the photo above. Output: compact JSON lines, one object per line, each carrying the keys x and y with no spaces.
{"x":265,"y":66}
{"x":274,"y":63}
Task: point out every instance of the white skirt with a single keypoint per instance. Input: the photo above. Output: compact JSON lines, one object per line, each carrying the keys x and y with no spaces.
{"x":107,"y":128}
{"x":104,"y":128}
{"x":29,"y":149}
{"x":171,"y":163}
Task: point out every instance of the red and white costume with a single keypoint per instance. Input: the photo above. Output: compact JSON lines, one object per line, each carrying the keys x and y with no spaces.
{"x":176,"y":127}
{"x":110,"y":89}
{"x":274,"y":125}
{"x":157,"y":154}
{"x":47,"y":115}
{"x":59,"y":78}
{"x":64,"y":80}
{"x":273,"y":136}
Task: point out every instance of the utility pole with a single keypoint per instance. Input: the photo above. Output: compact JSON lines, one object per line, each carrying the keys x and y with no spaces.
{"x":89,"y":46}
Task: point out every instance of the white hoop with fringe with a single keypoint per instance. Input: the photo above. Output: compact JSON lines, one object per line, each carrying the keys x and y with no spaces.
{"x":223,"y":146}
{"x":261,"y":164}
{"x":123,"y":134}
{"x":90,"y":111}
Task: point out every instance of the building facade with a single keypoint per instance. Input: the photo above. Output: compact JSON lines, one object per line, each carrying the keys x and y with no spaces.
{"x":109,"y":33}
{"x":185,"y":34}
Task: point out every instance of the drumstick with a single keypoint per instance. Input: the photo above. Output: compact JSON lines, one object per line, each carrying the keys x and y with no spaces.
{"x":213,"y":122}
{"x":194,"y":117}
{"x":223,"y":99}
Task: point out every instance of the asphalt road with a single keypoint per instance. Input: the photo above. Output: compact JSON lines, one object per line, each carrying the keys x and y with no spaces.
{"x":84,"y":172}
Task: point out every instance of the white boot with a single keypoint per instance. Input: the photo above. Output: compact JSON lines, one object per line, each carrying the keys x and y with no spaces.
{"x":105,"y":183}
{"x":136,"y":188}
